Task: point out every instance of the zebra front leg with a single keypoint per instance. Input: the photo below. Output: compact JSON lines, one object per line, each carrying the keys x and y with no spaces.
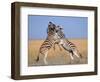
{"x":61,"y":44}
{"x":54,"y":47}
{"x":60,"y":47}
{"x":45,"y":58}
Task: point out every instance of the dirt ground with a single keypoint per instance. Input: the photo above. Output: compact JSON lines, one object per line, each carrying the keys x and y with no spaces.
{"x":57,"y":57}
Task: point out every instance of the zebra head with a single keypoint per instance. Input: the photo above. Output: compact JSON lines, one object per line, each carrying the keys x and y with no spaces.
{"x":59,"y":31}
{"x":51,"y":28}
{"x":58,"y":28}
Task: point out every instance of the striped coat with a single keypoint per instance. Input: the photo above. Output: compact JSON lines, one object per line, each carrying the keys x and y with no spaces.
{"x":52,"y":38}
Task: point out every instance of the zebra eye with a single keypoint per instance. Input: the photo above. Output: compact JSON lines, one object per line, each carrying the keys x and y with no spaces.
{"x":61,"y":28}
{"x":56,"y":30}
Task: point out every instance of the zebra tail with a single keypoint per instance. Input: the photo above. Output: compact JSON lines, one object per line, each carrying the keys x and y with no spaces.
{"x":37,"y":58}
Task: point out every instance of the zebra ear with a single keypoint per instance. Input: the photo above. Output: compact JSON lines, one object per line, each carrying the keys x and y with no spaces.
{"x":60,"y":27}
{"x":50,"y":23}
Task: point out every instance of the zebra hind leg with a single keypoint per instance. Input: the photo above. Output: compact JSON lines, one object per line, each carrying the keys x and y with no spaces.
{"x":77,"y":54}
{"x":71,"y":57}
{"x":45,"y":58}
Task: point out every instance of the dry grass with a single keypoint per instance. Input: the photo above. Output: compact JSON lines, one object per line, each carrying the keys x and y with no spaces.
{"x":56,"y":57}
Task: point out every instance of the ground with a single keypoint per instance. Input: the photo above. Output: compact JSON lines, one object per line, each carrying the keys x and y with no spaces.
{"x":56,"y":57}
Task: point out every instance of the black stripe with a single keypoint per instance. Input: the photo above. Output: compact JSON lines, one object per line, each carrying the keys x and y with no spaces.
{"x":50,"y":42}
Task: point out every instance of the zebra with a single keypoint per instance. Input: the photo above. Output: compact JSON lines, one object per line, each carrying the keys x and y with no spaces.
{"x":66,"y":44}
{"x":52,"y":38}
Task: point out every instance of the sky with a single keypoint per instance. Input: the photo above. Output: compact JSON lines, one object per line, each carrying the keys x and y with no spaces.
{"x":73,"y":27}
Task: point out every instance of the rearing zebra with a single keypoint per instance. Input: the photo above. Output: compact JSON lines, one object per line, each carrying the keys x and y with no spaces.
{"x":66,"y":44}
{"x":52,"y":38}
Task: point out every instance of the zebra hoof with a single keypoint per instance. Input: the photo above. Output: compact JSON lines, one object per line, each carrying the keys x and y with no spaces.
{"x":46,"y":63}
